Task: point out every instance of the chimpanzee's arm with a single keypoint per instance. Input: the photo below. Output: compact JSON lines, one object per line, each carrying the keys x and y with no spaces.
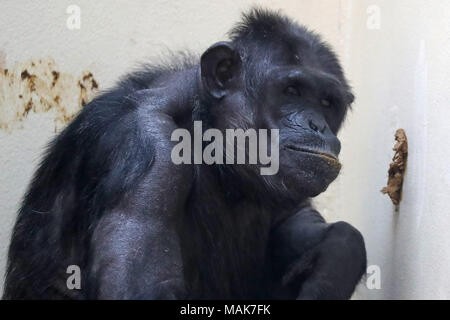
{"x":317,"y":260}
{"x":135,"y":252}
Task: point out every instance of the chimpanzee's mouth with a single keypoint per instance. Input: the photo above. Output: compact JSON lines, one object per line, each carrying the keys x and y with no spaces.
{"x":325,"y":155}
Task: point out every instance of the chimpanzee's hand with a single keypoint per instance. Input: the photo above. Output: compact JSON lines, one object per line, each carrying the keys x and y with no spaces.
{"x":319,"y":260}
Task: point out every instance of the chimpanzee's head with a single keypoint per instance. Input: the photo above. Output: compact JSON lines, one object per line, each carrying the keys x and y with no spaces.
{"x":275,"y":74}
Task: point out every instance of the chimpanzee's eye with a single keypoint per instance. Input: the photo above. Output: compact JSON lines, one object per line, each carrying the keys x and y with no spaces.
{"x":325,"y":102}
{"x":292,"y":91}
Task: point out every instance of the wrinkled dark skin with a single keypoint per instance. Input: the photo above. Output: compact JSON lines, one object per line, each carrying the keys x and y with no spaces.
{"x":108,"y":198}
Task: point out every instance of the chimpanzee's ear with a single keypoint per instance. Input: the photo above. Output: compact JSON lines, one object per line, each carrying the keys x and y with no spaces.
{"x":220,"y":65}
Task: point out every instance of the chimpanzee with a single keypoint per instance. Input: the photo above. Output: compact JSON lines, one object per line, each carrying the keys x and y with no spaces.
{"x":109,"y":199}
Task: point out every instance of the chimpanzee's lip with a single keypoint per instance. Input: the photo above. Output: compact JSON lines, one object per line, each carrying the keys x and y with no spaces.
{"x":326,"y":155}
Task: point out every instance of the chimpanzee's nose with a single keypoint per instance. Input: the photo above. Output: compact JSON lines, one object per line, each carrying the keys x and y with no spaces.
{"x":317,"y":127}
{"x":318,"y":124}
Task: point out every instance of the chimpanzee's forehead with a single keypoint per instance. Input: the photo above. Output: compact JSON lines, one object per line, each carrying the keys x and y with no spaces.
{"x":295,"y":51}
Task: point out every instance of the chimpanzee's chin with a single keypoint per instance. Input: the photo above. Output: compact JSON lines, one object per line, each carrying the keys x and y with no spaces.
{"x":309,"y":174}
{"x":318,"y":180}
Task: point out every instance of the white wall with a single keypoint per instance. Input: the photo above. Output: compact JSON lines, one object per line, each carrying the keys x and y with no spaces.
{"x":400,"y":74}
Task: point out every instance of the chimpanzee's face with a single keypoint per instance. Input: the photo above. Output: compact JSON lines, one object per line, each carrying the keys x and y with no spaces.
{"x":307,"y":104}
{"x":302,"y":94}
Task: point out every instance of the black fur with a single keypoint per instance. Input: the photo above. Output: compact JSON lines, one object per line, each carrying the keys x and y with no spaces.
{"x":107,"y":198}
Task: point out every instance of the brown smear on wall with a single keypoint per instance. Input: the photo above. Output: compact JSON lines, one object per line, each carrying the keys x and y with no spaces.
{"x":38,"y":86}
{"x":397,"y":168}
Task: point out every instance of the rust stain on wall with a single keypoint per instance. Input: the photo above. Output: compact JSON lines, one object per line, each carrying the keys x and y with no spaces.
{"x":39,"y":86}
{"x":397,"y":168}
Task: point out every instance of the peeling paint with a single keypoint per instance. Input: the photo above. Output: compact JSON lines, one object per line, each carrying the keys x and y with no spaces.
{"x":38,"y":86}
